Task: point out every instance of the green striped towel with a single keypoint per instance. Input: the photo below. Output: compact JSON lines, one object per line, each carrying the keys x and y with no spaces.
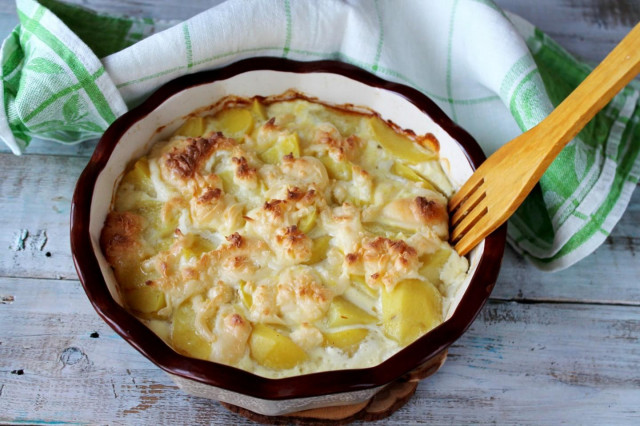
{"x":492,"y":72}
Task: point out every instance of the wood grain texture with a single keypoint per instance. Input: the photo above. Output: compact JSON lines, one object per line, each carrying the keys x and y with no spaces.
{"x":35,"y":195}
{"x":587,"y":28}
{"x":584,"y":357}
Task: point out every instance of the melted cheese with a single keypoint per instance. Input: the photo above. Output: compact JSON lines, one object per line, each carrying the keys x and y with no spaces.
{"x":233,"y":244}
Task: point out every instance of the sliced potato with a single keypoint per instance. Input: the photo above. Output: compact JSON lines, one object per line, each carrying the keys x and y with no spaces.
{"x":141,"y":168}
{"x":383,"y":229}
{"x":342,"y":312}
{"x":146,"y":300}
{"x":284,"y":145}
{"x":132,"y":276}
{"x":359,"y":284}
{"x":339,"y":170}
{"x":184,"y":336}
{"x":149,"y":209}
{"x":397,"y":144}
{"x":196,"y":246}
{"x":140,"y":178}
{"x":273,"y":349}
{"x":347,"y":340}
{"x":411,"y":309}
{"x":192,"y":128}
{"x":159,"y":226}
{"x":245,"y":295}
{"x":306,"y":223}
{"x":319,"y":249}
{"x":258,"y":110}
{"x":233,"y":123}
{"x":406,"y":172}
{"x":432,"y":265}
{"x":228,"y":181}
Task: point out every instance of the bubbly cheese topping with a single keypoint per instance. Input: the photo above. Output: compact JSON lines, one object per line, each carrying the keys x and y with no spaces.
{"x":284,"y":236}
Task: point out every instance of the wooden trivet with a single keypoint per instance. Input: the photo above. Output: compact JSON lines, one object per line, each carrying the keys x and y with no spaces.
{"x":381,"y":405}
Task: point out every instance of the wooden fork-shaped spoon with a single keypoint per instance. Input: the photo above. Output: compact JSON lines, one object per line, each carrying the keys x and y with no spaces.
{"x":501,"y":183}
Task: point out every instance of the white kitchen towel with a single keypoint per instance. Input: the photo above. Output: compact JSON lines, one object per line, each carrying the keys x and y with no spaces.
{"x":494,"y":74}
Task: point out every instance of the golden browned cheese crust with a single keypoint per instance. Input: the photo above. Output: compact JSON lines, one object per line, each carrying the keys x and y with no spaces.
{"x":185,"y":160}
{"x":120,"y":237}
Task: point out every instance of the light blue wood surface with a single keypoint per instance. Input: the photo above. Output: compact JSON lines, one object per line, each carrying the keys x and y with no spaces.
{"x":547,"y":348}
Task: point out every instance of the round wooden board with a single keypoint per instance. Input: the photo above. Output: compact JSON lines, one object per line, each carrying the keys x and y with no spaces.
{"x":382,"y":405}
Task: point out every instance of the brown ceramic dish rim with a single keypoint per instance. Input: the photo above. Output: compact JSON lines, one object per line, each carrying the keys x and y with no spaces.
{"x":240,"y":381}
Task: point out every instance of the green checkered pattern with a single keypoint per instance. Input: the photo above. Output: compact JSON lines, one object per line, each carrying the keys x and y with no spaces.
{"x":68,"y":72}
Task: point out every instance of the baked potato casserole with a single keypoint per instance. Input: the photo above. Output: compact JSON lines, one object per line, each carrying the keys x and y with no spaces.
{"x":285,"y":236}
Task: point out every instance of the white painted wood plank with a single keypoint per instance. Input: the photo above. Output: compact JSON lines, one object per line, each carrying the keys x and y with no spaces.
{"x":587,"y":28}
{"x":538,"y":364}
{"x":518,"y":363}
{"x":36,"y":192}
{"x":35,"y":195}
{"x":52,"y":369}
{"x":609,"y":275}
{"x":8,"y":18}
{"x":42,"y":147}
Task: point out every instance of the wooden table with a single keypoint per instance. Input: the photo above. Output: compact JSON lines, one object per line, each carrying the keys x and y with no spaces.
{"x":548,"y":347}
